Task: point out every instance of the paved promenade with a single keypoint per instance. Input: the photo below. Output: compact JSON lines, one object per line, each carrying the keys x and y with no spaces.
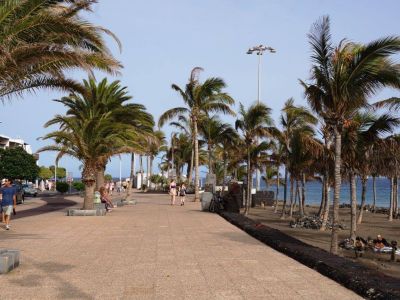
{"x":149,"y":251}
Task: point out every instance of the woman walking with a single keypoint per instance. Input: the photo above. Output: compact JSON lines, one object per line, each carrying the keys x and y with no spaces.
{"x":182,"y":193}
{"x":172,"y":191}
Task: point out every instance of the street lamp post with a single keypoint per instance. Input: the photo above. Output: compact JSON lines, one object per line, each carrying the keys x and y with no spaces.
{"x":259,"y":50}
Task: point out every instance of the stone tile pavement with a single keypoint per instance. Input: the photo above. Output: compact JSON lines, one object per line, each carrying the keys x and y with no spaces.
{"x":150,"y":251}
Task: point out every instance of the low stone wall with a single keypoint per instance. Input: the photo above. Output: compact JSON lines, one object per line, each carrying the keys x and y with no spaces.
{"x":86,"y":212}
{"x":364,"y":281}
{"x":9,"y":260}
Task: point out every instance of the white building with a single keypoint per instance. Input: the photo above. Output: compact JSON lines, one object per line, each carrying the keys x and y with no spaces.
{"x":7,"y":142}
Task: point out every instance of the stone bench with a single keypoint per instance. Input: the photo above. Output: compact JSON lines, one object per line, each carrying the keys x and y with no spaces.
{"x":118,"y":203}
{"x":9,"y":259}
{"x":98,"y":210}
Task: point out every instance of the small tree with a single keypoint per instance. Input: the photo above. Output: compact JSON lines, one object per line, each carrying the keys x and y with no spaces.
{"x":108,"y":177}
{"x":45,"y":173}
{"x":61,"y":172}
{"x":16,"y":163}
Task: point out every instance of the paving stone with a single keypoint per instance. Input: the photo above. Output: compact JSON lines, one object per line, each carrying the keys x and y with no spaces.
{"x":151,"y":251}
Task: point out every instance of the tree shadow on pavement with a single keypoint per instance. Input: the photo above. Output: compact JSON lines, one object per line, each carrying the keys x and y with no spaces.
{"x":52,"y":204}
{"x":52,"y":271}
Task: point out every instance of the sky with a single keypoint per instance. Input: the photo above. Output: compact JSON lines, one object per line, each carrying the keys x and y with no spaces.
{"x":162,"y":41}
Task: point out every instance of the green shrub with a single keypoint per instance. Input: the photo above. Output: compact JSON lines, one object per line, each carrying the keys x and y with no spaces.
{"x":79,"y":186}
{"x":62,"y":187}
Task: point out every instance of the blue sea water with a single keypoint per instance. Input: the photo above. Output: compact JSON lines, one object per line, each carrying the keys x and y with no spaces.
{"x":314,"y":190}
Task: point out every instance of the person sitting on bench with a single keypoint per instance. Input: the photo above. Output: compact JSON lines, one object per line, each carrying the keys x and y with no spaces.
{"x":381,"y":245}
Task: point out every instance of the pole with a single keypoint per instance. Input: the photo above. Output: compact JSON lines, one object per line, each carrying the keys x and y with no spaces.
{"x":258,"y":175}
{"x":120,"y":171}
{"x":55,"y":176}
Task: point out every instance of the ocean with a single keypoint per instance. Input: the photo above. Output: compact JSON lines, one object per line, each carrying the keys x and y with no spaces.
{"x":314,"y":190}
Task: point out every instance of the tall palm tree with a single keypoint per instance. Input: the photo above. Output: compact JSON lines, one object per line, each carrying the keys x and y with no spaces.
{"x":343,"y":77}
{"x":213,"y":131}
{"x":254,"y":123}
{"x":41,"y":40}
{"x":293,"y":118}
{"x":185,"y":125}
{"x":200,"y":99}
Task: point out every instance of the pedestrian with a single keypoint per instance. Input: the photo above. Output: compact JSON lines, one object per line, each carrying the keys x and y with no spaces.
{"x":182,"y":193}
{"x":118,"y":187}
{"x":172,"y":191}
{"x":8,"y":202}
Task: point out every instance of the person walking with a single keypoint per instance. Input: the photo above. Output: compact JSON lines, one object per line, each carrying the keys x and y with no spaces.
{"x":182,"y":193}
{"x":172,"y":191}
{"x":8,"y":202}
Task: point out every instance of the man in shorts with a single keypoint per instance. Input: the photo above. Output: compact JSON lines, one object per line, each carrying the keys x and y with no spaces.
{"x":8,"y":202}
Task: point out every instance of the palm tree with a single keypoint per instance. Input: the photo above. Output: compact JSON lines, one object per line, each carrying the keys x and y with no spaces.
{"x":110,"y":100}
{"x":185,"y":126}
{"x":200,"y":99}
{"x":213,"y":131}
{"x":343,"y":77}
{"x":254,"y":123}
{"x":85,"y":141}
{"x":41,"y":40}
{"x":96,"y":127}
{"x":293,"y":118}
{"x":155,"y":145}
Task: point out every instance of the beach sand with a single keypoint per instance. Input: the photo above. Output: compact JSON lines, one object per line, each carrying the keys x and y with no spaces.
{"x":372,"y":225}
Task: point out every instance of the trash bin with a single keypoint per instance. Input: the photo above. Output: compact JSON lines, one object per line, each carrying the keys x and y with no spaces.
{"x":205,"y":199}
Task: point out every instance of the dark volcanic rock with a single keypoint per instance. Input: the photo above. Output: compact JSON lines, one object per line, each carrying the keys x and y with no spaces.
{"x":364,"y":281}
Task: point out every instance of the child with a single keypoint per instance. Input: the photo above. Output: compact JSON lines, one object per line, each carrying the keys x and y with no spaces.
{"x":182,"y":193}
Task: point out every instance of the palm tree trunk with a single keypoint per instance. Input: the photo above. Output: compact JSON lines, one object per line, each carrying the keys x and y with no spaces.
{"x":336,"y":193}
{"x":141,"y":171}
{"x":303,"y":193}
{"x":374,"y":192}
{"x":100,"y":177}
{"x":325,"y":214}
{"x":89,"y":196}
{"x":191,"y":167}
{"x":300,"y":195}
{"x":363,"y":193}
{"x":249,"y":183}
{"x":391,"y":200}
{"x":224,"y":177}
{"x":291,"y":196}
{"x":196,"y":162}
{"x":131,"y":176}
{"x":322,"y":204}
{"x":396,"y":199}
{"x":191,"y":164}
{"x":88,"y":178}
{"x":277,"y":190}
{"x":353,"y":202}
{"x":148,"y":171}
{"x":284,"y":193}
{"x":151,"y":169}
{"x":209,"y":159}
